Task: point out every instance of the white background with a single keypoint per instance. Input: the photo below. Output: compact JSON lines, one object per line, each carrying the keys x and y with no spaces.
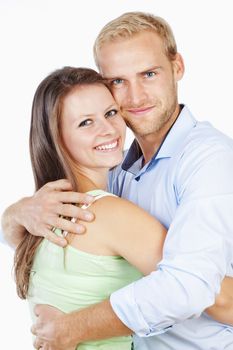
{"x":37,"y":37}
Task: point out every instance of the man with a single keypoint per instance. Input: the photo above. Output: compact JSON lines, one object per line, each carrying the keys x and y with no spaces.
{"x":178,"y":169}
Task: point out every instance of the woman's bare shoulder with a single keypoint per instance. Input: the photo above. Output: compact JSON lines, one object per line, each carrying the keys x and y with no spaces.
{"x":122,"y":228}
{"x":113,"y":205}
{"x":129,"y":231}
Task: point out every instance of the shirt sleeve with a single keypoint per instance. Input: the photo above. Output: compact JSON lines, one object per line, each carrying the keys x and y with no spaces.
{"x":197,"y":251}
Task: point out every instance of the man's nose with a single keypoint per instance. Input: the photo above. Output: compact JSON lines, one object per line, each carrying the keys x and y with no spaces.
{"x":136,"y":94}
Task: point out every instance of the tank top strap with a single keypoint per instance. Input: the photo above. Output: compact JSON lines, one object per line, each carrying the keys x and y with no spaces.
{"x":97,"y":194}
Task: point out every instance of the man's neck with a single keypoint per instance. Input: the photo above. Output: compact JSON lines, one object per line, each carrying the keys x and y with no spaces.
{"x":151,"y":143}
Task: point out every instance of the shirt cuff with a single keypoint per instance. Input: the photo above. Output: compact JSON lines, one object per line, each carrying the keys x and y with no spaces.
{"x":125,"y":307}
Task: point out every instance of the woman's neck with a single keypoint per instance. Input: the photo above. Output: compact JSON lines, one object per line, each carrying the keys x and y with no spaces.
{"x":89,"y":182}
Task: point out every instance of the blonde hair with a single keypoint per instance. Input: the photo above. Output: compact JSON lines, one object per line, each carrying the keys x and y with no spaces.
{"x":131,"y":23}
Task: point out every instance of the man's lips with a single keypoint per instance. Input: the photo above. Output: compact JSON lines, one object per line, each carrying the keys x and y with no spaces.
{"x":139,"y":111}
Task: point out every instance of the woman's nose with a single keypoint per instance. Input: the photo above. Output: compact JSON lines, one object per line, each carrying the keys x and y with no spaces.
{"x":106,"y":127}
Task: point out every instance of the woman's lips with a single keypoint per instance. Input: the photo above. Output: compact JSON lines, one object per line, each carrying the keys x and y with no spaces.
{"x":108,"y":146}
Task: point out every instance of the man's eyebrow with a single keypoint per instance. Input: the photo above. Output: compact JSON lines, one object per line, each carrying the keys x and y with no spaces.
{"x":149,"y":69}
{"x":113,"y":78}
{"x":145,"y":70}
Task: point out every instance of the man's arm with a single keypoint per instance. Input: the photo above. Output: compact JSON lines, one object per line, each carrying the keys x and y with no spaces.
{"x":44,"y":210}
{"x":64,"y":331}
{"x":197,"y":251}
{"x":13,"y":231}
{"x":222,"y":310}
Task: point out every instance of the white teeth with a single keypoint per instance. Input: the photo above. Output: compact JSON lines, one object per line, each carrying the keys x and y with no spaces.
{"x":109,"y":146}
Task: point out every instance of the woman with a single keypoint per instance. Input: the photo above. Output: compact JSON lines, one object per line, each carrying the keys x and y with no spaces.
{"x":77,"y":133}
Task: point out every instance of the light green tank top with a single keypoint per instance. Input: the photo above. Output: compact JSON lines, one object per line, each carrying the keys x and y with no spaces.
{"x":70,"y":279}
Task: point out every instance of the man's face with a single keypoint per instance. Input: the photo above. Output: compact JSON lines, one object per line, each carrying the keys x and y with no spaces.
{"x":143,"y":81}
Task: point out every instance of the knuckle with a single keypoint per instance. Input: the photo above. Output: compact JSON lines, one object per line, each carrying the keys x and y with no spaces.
{"x":33,"y":330}
{"x":45,"y":188}
{"x":59,"y":208}
{"x":46,"y":235}
{"x":36,"y":343}
{"x":50,"y":235}
{"x":64,"y":181}
{"x":82,"y":213}
{"x":70,"y":210}
{"x":81,"y":197}
{"x":58,"y":222}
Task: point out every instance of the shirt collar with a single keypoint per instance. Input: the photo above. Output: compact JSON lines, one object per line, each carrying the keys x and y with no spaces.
{"x":180,"y":129}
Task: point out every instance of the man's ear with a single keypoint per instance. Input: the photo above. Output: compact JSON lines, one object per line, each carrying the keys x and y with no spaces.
{"x":178,"y":67}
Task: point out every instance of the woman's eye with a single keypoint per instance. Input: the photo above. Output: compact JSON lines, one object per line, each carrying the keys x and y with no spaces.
{"x":85,"y":122}
{"x":111,"y":113}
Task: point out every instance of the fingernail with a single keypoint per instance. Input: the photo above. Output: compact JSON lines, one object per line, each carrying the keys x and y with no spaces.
{"x":90,"y":198}
{"x":63,"y":242}
{"x":88,"y":216}
{"x":80,"y":230}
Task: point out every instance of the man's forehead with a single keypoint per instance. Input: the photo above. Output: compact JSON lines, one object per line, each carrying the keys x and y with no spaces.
{"x":130,"y":66}
{"x":138,"y":52}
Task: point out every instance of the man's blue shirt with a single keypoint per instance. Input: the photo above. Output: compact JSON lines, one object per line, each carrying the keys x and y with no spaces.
{"x":188,"y":186}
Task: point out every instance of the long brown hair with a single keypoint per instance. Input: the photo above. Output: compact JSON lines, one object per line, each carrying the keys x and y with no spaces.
{"x":50,"y":160}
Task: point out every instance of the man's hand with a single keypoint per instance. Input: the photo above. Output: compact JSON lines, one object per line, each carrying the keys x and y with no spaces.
{"x":43,"y":211}
{"x":55,"y":330}
{"x":50,"y":329}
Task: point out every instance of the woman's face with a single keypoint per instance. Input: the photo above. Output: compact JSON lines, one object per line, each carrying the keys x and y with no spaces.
{"x":93,"y":131}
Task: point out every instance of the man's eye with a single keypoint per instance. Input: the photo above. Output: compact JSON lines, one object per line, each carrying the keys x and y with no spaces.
{"x":150,"y":74}
{"x":111,"y":113}
{"x":117,"y":81}
{"x":85,"y":122}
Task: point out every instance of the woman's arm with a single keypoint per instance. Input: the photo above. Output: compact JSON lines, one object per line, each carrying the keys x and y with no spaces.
{"x":129,"y":231}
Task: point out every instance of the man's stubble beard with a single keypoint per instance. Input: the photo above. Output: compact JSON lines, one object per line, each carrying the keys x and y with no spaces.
{"x":156,"y":122}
